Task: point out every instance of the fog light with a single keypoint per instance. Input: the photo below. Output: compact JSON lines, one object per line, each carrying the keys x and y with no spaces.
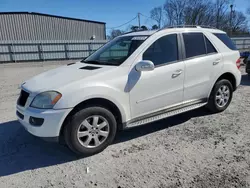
{"x":36,"y":121}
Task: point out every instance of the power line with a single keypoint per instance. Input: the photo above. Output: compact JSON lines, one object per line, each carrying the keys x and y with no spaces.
{"x":146,"y":16}
{"x":124,"y":23}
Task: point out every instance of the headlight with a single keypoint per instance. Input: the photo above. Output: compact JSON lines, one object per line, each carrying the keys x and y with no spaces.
{"x":46,"y":100}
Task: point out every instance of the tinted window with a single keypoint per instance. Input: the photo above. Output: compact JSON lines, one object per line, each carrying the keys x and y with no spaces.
{"x":162,"y":51}
{"x":210,"y":47}
{"x":226,"y":40}
{"x":194,"y":44}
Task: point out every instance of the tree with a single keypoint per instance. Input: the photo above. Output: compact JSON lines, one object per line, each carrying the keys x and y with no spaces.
{"x":199,"y":12}
{"x":134,"y":28}
{"x":157,"y":15}
{"x":239,"y":22}
{"x":221,"y":8}
{"x":155,"y":27}
{"x":137,"y":28}
{"x":215,"y":13}
{"x":144,"y":28}
{"x":115,"y":33}
{"x":174,"y":10}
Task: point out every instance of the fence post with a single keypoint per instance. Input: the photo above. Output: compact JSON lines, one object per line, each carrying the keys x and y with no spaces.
{"x":244,"y":43}
{"x":10,"y":52}
{"x":40,"y":52}
{"x":89,"y":47}
{"x":66,"y":46}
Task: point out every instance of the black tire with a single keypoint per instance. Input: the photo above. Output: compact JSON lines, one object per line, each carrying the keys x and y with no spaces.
{"x":71,"y":130}
{"x":212,"y":104}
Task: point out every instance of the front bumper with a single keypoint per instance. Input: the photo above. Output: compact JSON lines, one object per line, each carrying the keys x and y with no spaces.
{"x":53,"y":120}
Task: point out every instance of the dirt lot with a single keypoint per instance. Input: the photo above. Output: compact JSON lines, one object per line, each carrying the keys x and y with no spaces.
{"x":195,"y":149}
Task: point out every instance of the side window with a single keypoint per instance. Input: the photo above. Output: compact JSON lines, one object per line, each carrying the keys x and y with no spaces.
{"x":194,"y":44}
{"x":210,"y":48}
{"x":163,"y":51}
{"x":226,"y":40}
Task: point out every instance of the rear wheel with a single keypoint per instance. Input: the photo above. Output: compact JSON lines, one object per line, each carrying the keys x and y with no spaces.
{"x":90,"y":130}
{"x":221,"y":96}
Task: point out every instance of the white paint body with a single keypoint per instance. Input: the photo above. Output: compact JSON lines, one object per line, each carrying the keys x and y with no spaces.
{"x":134,"y":93}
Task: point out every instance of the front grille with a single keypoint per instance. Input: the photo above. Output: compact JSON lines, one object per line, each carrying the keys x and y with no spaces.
{"x":23,"y":98}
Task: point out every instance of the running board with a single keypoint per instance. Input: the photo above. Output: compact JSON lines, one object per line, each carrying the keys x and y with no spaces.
{"x":163,"y":115}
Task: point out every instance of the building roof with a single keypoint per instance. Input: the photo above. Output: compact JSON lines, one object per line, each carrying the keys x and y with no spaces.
{"x":49,"y":15}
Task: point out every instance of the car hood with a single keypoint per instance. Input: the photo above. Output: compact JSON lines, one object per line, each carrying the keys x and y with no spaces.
{"x":62,"y":76}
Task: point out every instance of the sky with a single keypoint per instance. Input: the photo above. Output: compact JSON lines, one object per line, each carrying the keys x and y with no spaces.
{"x":113,"y":12}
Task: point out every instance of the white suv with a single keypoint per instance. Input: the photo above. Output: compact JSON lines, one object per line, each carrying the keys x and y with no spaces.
{"x":135,"y":79}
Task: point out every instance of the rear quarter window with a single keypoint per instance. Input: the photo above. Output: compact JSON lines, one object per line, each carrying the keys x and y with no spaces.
{"x":226,"y":40}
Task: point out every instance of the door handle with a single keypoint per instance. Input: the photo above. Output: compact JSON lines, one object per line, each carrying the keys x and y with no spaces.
{"x":177,"y":73}
{"x":217,"y":61}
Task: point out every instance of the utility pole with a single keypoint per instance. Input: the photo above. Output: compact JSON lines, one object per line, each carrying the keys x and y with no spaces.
{"x":139,"y":20}
{"x":231,"y":19}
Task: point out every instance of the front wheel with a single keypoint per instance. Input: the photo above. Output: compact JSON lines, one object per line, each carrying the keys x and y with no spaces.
{"x":90,"y":130}
{"x":221,"y":96}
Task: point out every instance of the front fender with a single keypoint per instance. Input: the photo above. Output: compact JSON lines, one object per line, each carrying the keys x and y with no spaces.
{"x":118,"y":97}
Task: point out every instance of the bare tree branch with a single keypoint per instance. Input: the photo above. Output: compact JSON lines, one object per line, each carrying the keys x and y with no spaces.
{"x":115,"y":33}
{"x":157,"y":15}
{"x":174,"y":10}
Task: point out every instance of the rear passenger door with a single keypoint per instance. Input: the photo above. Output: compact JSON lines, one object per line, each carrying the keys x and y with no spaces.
{"x":202,"y":62}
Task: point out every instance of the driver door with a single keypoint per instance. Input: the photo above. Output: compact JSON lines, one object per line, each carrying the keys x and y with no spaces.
{"x":163,"y":87}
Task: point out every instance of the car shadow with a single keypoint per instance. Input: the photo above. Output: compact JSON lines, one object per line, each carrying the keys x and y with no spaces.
{"x":21,"y":151}
{"x":245,"y":80}
{"x":143,"y":130}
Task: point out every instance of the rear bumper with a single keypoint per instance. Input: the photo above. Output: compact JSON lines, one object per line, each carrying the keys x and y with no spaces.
{"x":238,"y":78}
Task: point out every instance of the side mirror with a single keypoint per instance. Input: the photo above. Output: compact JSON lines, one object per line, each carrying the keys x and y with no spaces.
{"x":145,"y":65}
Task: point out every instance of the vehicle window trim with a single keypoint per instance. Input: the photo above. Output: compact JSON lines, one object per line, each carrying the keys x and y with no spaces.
{"x":185,"y":46}
{"x":179,"y":50}
{"x":194,"y":57}
{"x":216,"y":33}
{"x":198,"y":56}
{"x":205,"y":41}
{"x":169,"y":63}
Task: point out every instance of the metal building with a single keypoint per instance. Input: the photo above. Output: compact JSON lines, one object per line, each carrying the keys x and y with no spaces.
{"x":37,"y":26}
{"x":32,"y":36}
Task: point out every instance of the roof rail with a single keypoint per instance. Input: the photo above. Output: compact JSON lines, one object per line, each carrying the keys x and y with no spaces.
{"x":139,"y":30}
{"x":188,"y":26}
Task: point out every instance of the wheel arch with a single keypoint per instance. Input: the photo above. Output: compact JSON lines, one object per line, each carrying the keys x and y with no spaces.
{"x":230,"y":77}
{"x":98,"y":102}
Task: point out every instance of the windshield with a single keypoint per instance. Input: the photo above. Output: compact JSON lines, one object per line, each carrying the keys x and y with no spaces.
{"x":116,"y":51}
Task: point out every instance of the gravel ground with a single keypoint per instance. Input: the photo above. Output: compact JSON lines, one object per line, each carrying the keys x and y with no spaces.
{"x":195,"y":149}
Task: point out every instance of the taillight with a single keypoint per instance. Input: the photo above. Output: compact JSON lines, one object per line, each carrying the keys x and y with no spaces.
{"x":238,"y":63}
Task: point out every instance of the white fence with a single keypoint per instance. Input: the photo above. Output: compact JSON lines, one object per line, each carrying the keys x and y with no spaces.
{"x":17,"y":51}
{"x":13,"y":51}
{"x":242,"y":43}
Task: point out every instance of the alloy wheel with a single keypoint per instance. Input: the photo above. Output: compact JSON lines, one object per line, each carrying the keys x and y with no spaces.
{"x":93,"y":131}
{"x":222,"y":96}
